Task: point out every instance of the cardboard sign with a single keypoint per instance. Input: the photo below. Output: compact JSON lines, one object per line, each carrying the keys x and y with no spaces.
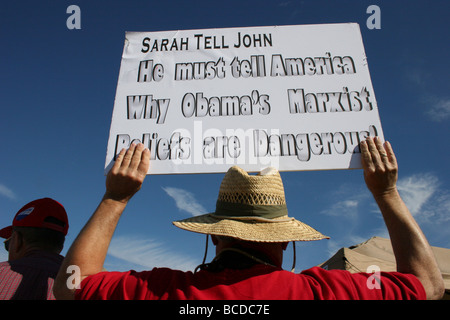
{"x":291,"y":97}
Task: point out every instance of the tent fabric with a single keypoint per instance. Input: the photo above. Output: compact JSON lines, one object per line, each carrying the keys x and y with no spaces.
{"x":378,"y":252}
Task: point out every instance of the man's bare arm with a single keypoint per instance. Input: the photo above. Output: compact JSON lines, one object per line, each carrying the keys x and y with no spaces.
{"x":89,"y":249}
{"x":412,"y":252}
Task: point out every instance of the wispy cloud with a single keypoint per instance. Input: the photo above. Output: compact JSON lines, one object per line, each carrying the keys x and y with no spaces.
{"x":345,"y":208}
{"x":346,"y":201}
{"x":137,"y":252}
{"x":349,"y":205}
{"x":436,"y":106}
{"x":416,"y":190}
{"x":422,"y":193}
{"x":185,"y":201}
{"x":417,"y":76}
{"x":439,"y":109}
{"x":430,"y":204}
{"x":147,"y":253}
{"x":426,"y":200}
{"x":7,"y":192}
{"x":284,"y":3}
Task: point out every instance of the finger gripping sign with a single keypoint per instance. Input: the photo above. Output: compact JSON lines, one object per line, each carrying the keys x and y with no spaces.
{"x":292,"y":97}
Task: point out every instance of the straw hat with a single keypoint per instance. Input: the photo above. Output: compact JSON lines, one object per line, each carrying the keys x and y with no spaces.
{"x":251,"y":208}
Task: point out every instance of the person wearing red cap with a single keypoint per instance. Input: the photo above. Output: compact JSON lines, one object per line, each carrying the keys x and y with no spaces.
{"x":34,"y":242}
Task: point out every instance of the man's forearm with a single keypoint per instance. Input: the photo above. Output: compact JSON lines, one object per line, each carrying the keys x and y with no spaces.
{"x":412,"y":252}
{"x":88,"y":251}
{"x":90,"y":248}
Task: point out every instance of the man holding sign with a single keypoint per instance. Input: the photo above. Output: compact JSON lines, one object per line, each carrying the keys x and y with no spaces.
{"x":241,"y":99}
{"x":250,"y":228}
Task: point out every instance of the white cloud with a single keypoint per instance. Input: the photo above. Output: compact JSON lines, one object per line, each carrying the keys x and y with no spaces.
{"x":429,"y":204}
{"x":6,"y":192}
{"x":416,"y":190}
{"x":185,"y":201}
{"x":423,"y":194}
{"x":440,"y":208}
{"x":346,"y":201}
{"x":344,"y":208}
{"x":147,"y":253}
{"x":417,"y":76}
{"x":284,"y":3}
{"x":140,"y":253}
{"x":439,"y":109}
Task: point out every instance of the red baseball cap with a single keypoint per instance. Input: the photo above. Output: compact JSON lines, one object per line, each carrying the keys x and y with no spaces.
{"x":40,"y":213}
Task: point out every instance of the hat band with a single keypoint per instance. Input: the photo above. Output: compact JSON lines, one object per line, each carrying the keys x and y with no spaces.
{"x":228,"y":209}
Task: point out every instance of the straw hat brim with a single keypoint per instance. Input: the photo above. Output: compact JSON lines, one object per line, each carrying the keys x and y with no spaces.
{"x":281,"y":229}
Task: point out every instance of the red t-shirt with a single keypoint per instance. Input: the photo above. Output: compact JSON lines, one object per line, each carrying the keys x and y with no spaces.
{"x":259,"y":282}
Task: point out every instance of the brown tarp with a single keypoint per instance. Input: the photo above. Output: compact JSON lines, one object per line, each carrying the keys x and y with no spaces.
{"x":378,"y":251}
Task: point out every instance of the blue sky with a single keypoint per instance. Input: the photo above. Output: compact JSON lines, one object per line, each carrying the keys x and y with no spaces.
{"x":57,"y":94}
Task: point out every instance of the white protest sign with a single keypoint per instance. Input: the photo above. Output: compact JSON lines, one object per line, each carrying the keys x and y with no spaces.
{"x":292,"y":97}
